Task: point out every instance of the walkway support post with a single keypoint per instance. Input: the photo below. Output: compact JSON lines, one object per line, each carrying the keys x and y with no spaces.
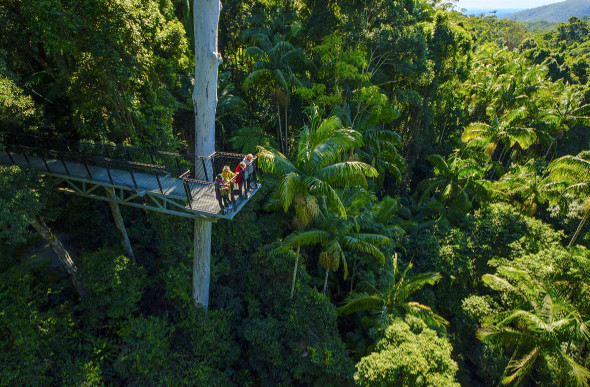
{"x":59,"y":250}
{"x":120,"y":224}
{"x":207,"y":61}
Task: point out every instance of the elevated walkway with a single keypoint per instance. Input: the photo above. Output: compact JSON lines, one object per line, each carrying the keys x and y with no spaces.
{"x":166,"y":182}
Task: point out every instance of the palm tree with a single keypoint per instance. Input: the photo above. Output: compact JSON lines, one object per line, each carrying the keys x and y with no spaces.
{"x":455,"y":183}
{"x":380,"y":145}
{"x":337,"y":235}
{"x":538,"y":330}
{"x":567,"y":110}
{"x":395,"y":298}
{"x":571,"y":173}
{"x":275,"y":64}
{"x":524,"y":185}
{"x":318,"y":167}
{"x":501,"y":81}
{"x":502,"y":131}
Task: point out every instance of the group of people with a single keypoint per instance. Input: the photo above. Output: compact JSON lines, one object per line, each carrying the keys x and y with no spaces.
{"x":243,"y":178}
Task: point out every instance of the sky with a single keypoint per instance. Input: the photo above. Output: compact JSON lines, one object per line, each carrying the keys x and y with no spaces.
{"x":503,"y":4}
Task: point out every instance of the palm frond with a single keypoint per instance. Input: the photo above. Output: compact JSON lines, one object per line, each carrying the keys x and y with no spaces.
{"x":525,"y":137}
{"x":580,"y":373}
{"x":275,"y":162}
{"x":477,"y":134}
{"x":282,"y":46}
{"x":386,"y":210}
{"x":360,"y":302}
{"x":375,"y":239}
{"x":514,"y":273}
{"x":279,"y":78}
{"x":353,"y":244}
{"x":288,"y":188}
{"x":573,"y":168}
{"x":329,"y":149}
{"x":518,"y":369}
{"x":327,"y":127}
{"x":429,"y":186}
{"x":506,"y":336}
{"x":583,"y":110}
{"x":533,"y":322}
{"x":347,"y":174}
{"x":497,"y":283}
{"x":417,"y":282}
{"x":426,"y":313}
{"x":255,"y":52}
{"x":306,"y":238}
{"x":440,"y":165}
{"x":514,"y":115}
{"x":257,"y":77}
{"x":303,"y":145}
{"x":257,"y":38}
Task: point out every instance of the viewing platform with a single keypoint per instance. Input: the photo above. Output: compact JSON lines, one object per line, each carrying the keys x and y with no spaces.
{"x":166,"y":182}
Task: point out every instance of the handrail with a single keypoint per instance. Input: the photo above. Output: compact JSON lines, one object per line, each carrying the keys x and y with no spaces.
{"x":182,"y":176}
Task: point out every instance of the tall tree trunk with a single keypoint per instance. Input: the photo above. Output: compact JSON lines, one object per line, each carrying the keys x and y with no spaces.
{"x":580,"y":226}
{"x":326,"y":281}
{"x":352,"y":275}
{"x":504,"y":147}
{"x":202,"y":262}
{"x":286,"y":132}
{"x":62,"y":254}
{"x":120,"y":224}
{"x":295,"y":272}
{"x":207,"y":61}
{"x":280,"y":131}
{"x":549,"y":149}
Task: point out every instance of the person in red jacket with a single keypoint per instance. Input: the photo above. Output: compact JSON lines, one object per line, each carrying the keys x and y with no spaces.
{"x":240,"y":171}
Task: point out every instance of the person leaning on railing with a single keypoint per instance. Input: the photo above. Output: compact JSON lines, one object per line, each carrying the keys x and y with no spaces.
{"x":229,"y":177}
{"x":250,"y":174}
{"x":222,"y":193}
{"x":240,"y":172}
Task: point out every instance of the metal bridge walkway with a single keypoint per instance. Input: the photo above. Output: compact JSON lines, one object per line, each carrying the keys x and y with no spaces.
{"x":151,"y":180}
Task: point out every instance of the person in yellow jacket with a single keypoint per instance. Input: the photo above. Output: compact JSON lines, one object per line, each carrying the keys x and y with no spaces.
{"x":227,"y":176}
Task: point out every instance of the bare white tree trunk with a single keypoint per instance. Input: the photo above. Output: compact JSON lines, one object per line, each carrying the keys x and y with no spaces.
{"x":202,"y":262}
{"x":62,"y":254}
{"x":580,"y":226}
{"x":120,"y":224}
{"x":280,"y":130}
{"x":207,"y":61}
{"x":295,"y":272}
{"x":286,"y":131}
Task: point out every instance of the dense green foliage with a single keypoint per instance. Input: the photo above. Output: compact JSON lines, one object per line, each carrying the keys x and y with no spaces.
{"x":425,"y":192}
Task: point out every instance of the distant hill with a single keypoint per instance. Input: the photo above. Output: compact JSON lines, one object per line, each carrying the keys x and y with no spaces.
{"x":556,"y":13}
{"x":489,"y":11}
